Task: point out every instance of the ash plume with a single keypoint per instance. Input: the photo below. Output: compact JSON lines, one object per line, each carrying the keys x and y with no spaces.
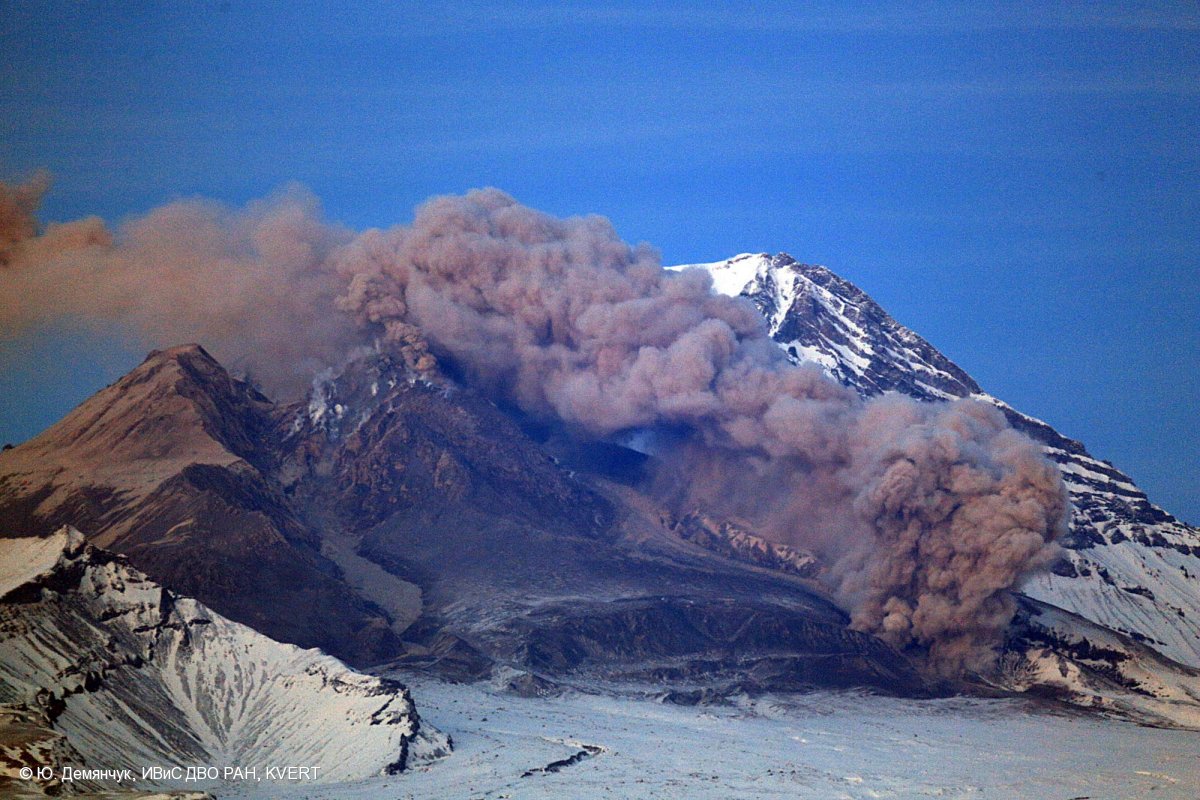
{"x":926,"y":513}
{"x":18,"y":208}
{"x":252,"y":284}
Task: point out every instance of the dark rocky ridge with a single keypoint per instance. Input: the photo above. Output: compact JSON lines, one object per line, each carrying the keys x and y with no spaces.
{"x":717,"y":644}
{"x":900,"y":360}
{"x":527,"y":563}
{"x":207,"y":485}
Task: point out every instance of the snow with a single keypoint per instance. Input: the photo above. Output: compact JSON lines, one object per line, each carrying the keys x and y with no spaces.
{"x":824,"y":745}
{"x":813,"y":355}
{"x":28,"y":558}
{"x":731,"y":276}
{"x":1170,"y":619}
{"x":1108,"y":672}
{"x":178,"y":685}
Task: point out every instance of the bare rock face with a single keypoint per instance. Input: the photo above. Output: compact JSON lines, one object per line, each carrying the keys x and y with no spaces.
{"x":127,"y":675}
{"x":174,"y":465}
{"x":526,"y":563}
{"x":733,"y":541}
{"x":380,"y":440}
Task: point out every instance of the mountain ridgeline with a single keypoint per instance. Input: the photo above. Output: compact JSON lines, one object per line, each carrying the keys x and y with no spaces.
{"x":101,"y":666}
{"x":396,"y":516}
{"x":1128,"y":565}
{"x":391,"y":517}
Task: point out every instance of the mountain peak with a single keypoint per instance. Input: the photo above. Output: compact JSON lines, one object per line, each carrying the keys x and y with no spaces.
{"x":211,"y":417}
{"x":1120,"y":544}
{"x":188,"y":350}
{"x":817,"y":316}
{"x":174,"y":466}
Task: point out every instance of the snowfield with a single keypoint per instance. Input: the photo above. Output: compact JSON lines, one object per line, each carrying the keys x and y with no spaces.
{"x":824,"y":745}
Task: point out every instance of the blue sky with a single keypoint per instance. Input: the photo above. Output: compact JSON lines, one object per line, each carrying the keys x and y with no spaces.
{"x":1020,"y":183}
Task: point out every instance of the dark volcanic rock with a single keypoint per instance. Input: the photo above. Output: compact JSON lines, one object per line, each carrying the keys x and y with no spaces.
{"x":817,"y":317}
{"x":377,"y":442}
{"x":174,"y":465}
{"x":447,"y":656}
{"x":832,"y":315}
{"x":520,"y":560}
{"x":711,"y":642}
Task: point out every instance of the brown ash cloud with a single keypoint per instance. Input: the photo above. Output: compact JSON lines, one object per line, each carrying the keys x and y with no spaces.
{"x":18,"y":209}
{"x":926,"y":513}
{"x":253,"y":284}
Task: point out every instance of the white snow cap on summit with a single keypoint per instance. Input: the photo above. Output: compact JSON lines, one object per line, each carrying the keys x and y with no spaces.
{"x":731,"y":276}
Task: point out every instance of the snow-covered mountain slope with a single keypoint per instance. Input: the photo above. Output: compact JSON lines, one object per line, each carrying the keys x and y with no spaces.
{"x":1129,"y":566}
{"x":1059,"y":653}
{"x":135,"y":676}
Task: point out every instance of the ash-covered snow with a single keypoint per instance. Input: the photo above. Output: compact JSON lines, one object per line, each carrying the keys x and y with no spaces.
{"x":822,"y":745}
{"x":31,"y":557}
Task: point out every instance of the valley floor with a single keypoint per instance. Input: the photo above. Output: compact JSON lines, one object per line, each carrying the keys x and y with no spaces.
{"x":825,"y":745}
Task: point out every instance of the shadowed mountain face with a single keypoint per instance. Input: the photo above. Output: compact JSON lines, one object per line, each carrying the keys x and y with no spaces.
{"x":534,"y":564}
{"x":174,"y":465}
{"x":396,"y":515}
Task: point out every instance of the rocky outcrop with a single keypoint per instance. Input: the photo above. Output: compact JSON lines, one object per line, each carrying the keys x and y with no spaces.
{"x":379,"y":440}
{"x":524,"y":561}
{"x":1058,"y":654}
{"x":392,"y":488}
{"x":733,"y":541}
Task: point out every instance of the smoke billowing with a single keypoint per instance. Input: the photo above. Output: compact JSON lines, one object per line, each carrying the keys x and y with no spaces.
{"x":254,"y":285}
{"x":926,"y":513}
{"x":18,"y":206}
